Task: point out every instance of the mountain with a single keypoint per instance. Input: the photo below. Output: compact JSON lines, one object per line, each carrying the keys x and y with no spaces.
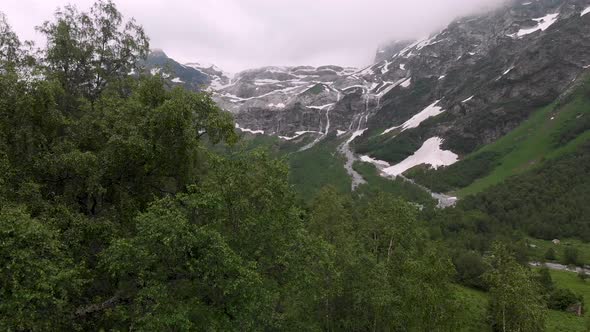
{"x":487,"y":74}
{"x":435,"y":101}
{"x":388,"y":50}
{"x":285,"y":101}
{"x":193,"y":76}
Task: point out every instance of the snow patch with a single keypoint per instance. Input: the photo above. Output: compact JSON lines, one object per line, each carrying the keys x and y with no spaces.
{"x":356,"y":134}
{"x":430,"y":111}
{"x":430,"y":153}
{"x":585,"y":11}
{"x":543,"y":23}
{"x":441,"y":77}
{"x":402,"y":66}
{"x":373,"y":161}
{"x":321,"y":107}
{"x":385,"y":67}
{"x":406,"y":83}
{"x":354,"y":86}
{"x":340,"y":132}
{"x":249,"y":130}
{"x":277,"y":105}
{"x":298,"y":134}
{"x":177,"y":80}
{"x":427,"y":42}
{"x":468,"y":99}
{"x":367,"y":71}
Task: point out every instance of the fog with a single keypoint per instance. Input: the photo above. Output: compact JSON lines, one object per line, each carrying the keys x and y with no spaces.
{"x":241,"y":34}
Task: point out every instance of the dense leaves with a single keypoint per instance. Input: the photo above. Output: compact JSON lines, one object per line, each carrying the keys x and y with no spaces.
{"x":548,"y":202}
{"x":516,"y":303}
{"x":39,"y":282}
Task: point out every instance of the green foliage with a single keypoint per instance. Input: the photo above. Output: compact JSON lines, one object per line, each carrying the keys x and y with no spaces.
{"x":557,"y":321}
{"x":11,"y":54}
{"x":550,"y":254}
{"x":387,"y":276}
{"x":38,"y":280}
{"x":515,"y":300}
{"x":87,"y":51}
{"x":475,"y":306}
{"x":548,"y":202}
{"x":117,"y":214}
{"x":545,"y":280}
{"x":458,"y":175}
{"x":397,"y":187}
{"x":470,"y":268}
{"x":562,"y":299}
{"x":173,"y":272}
{"x":538,"y":248}
{"x":538,"y":139}
{"x":550,"y":132}
{"x":317,"y":167}
{"x":571,"y":256}
{"x":392,"y":150}
{"x":570,"y":281}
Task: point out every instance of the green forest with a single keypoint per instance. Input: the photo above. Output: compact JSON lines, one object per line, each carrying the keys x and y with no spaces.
{"x":126,"y":204}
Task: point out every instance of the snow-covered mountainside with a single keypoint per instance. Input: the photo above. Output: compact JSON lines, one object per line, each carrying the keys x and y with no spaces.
{"x":193,"y":76}
{"x":427,"y":101}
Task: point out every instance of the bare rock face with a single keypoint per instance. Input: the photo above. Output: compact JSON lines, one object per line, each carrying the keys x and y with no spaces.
{"x":192,"y":78}
{"x":387,"y":51}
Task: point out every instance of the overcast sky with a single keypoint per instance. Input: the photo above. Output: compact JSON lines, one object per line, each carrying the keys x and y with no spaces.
{"x":241,"y":34}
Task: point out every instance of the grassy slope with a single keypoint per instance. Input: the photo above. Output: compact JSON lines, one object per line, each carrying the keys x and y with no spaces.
{"x":476,"y":303}
{"x":541,"y":246}
{"x":550,"y":132}
{"x":323,"y":165}
{"x":528,"y":145}
{"x":562,"y":321}
{"x":317,"y":167}
{"x":475,"y":311}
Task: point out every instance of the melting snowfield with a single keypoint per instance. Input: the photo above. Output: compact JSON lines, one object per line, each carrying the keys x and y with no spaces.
{"x":542,"y":24}
{"x":430,"y":111}
{"x":430,"y":153}
{"x":443,"y":200}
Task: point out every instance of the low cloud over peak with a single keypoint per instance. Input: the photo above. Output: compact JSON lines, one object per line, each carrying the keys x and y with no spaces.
{"x":240,"y":34}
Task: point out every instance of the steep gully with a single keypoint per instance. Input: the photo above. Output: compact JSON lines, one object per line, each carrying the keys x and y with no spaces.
{"x":443,"y":200}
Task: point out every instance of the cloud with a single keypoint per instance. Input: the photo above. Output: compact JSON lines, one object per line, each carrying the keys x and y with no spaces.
{"x":240,"y":34}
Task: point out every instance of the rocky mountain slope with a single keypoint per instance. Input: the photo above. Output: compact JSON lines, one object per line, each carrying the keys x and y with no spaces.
{"x":193,"y":76}
{"x":485,"y":73}
{"x":431,"y":101}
